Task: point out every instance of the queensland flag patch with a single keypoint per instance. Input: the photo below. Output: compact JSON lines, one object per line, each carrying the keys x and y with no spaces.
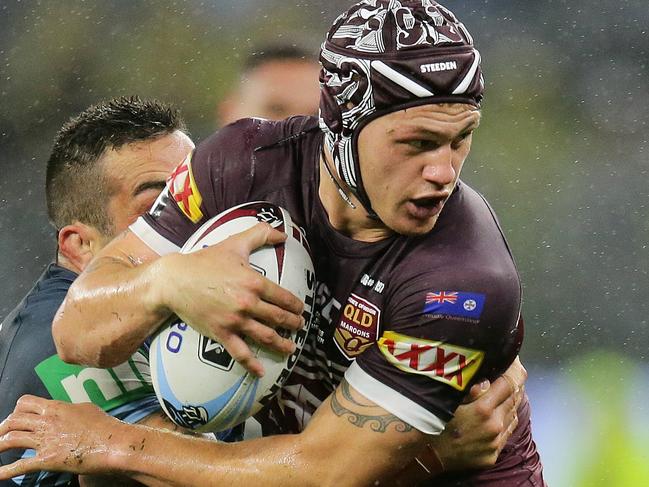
{"x":455,"y":303}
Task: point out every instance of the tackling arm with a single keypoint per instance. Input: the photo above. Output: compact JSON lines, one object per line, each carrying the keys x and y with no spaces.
{"x":125,"y":294}
{"x":158,"y":420}
{"x":116,"y":291}
{"x":349,"y":441}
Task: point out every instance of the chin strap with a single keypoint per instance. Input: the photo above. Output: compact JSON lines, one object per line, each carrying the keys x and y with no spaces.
{"x":341,"y":191}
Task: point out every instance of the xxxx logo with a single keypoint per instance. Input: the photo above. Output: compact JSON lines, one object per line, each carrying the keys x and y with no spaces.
{"x":184,"y":191}
{"x":358,"y":327}
{"x":440,"y":361}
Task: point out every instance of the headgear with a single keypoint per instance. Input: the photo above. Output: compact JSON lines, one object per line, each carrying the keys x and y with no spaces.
{"x":385,"y":55}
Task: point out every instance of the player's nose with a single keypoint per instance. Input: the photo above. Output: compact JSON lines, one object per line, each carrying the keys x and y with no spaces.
{"x":439,"y":168}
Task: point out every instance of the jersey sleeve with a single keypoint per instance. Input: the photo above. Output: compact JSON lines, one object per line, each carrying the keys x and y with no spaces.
{"x":196,"y":189}
{"x":443,"y":332}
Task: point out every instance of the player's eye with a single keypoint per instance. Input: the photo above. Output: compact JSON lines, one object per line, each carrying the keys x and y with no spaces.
{"x":460,"y":139}
{"x":423,"y":144}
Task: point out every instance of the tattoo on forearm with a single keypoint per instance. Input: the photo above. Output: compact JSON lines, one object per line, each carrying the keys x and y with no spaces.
{"x":344,"y":404}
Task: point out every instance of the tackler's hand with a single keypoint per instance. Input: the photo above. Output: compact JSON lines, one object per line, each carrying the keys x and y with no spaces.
{"x":483,"y":424}
{"x":65,"y":437}
{"x":216,"y":292}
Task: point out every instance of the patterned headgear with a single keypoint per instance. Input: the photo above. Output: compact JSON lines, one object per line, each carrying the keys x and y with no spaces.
{"x":385,"y":55}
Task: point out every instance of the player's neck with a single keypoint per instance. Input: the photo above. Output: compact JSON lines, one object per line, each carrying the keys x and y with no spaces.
{"x":353,"y":222}
{"x":62,"y":261}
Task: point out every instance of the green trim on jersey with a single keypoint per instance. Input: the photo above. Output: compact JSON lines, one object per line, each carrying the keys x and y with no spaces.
{"x":107,"y":388}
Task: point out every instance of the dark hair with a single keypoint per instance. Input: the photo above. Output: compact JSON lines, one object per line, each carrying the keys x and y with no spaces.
{"x":76,"y":187}
{"x":277,"y":52}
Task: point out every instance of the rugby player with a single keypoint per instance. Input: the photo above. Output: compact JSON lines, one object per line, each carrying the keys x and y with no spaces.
{"x":279,"y":81}
{"x":276,"y":81}
{"x":418,"y":298}
{"x":107,"y":167}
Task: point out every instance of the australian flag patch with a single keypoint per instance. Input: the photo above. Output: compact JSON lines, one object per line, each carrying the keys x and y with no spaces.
{"x":455,"y":303}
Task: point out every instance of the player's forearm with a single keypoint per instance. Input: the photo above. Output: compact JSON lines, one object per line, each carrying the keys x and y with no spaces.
{"x":332,"y":450}
{"x":109,"y":311}
{"x":301,"y":460}
{"x":157,"y":420}
{"x":154,"y":457}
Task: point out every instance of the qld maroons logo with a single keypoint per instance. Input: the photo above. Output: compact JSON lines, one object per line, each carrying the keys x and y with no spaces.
{"x":358,"y":327}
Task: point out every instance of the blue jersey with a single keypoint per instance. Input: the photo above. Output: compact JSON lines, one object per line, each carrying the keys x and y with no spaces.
{"x":29,"y":365}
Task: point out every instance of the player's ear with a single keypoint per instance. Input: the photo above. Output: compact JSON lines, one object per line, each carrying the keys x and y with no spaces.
{"x":78,"y":244}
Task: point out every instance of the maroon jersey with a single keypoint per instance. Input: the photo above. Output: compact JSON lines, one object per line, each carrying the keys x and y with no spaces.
{"x":410,"y":322}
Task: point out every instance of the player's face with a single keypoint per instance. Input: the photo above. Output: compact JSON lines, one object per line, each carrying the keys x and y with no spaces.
{"x":137,"y":174}
{"x":278,"y":89}
{"x":410,"y":161}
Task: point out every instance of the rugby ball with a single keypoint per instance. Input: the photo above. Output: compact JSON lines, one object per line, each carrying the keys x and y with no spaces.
{"x":196,"y":380}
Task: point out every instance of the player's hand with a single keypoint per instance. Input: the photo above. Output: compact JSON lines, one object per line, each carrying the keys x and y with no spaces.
{"x":66,"y":437}
{"x":481,"y":427}
{"x":216,"y":292}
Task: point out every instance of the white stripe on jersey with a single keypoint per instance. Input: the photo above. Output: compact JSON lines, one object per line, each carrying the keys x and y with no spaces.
{"x":403,"y":408}
{"x":153,"y":239}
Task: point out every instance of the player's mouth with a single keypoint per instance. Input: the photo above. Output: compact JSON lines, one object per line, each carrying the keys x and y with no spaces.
{"x":425,"y":208}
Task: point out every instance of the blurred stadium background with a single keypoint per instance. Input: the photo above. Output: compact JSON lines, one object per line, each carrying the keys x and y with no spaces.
{"x":562,"y":155}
